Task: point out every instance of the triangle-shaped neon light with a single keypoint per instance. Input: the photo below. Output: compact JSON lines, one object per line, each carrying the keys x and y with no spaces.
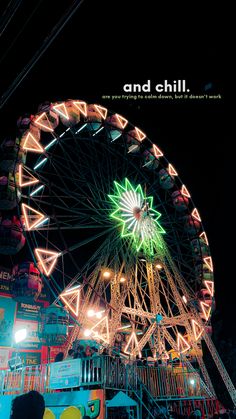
{"x":31,"y":144}
{"x":185,"y":192}
{"x":132,"y":340}
{"x":102,"y":111}
{"x":44,"y":122}
{"x":32,"y":217}
{"x":100,"y":335}
{"x":157,"y":152}
{"x":82,"y":106}
{"x":203,"y":236}
{"x":172,"y":170}
{"x":25,"y":177}
{"x":47,"y":260}
{"x":208,"y":262}
{"x":210,"y":287}
{"x":182,"y":344}
{"x":122,"y":121}
{"x":71,"y":298}
{"x":206,"y":309}
{"x":164,"y":354}
{"x":195,"y":214}
{"x":140,"y":134}
{"x":197,"y":330}
{"x":61,"y":110}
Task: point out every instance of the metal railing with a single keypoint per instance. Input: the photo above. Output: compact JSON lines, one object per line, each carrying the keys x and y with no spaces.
{"x":107,"y":372}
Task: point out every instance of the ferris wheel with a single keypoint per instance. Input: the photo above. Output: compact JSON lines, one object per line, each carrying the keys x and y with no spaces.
{"x":115,"y":231}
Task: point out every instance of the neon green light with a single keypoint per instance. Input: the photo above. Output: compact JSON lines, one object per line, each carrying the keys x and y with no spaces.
{"x":137,"y":218}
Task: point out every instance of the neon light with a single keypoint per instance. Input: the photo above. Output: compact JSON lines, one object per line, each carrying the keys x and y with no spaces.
{"x":140,"y":134}
{"x":37,"y":190}
{"x":101,"y":110}
{"x":40,"y":163}
{"x":50,"y":144}
{"x":206,"y":309}
{"x":133,"y":338}
{"x":210,"y":287}
{"x":208,"y":262}
{"x":75,"y":293}
{"x":157,"y":152}
{"x":195,"y":214}
{"x":181,"y":342}
{"x":172,"y":170}
{"x":61,"y":135}
{"x":31,"y":144}
{"x":23,"y":183}
{"x":204,"y":238}
{"x":80,"y":129}
{"x":42,"y":222}
{"x":37,"y":214}
{"x":46,"y":124}
{"x":82,"y":106}
{"x":100,"y":129}
{"x":197,"y":330}
{"x":137,"y":217}
{"x":47,"y":263}
{"x":124,"y":327}
{"x":118,"y":135}
{"x":61,"y":110}
{"x":133,"y":147}
{"x":99,"y":336}
{"x":185,"y":192}
{"x":122,"y":121}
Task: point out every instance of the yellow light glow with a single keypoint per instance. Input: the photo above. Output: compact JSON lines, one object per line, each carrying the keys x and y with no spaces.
{"x":61,"y":110}
{"x":47,"y":263}
{"x":70,"y":295}
{"x":206,"y":310}
{"x":87,"y":332}
{"x":172,"y":170}
{"x":45,"y":124}
{"x":24,"y":172}
{"x":106,"y":274}
{"x":185,"y":192}
{"x":208,"y":262}
{"x":182,"y":343}
{"x":82,"y":106}
{"x":184,"y":299}
{"x":159,"y":266}
{"x":140,"y":134}
{"x":195,"y":214}
{"x":36,"y":215}
{"x":90,"y":313}
{"x":121,"y":120}
{"x":197,"y":330}
{"x":122,"y":279}
{"x":31,"y":144}
{"x":204,"y":238}
{"x":157,"y":152}
{"x":133,"y":338}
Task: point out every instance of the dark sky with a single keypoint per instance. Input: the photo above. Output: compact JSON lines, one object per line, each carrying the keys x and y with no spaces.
{"x":106,"y":45}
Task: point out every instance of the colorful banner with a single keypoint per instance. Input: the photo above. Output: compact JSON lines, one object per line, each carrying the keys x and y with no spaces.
{"x":65,"y":374}
{"x":29,"y":358}
{"x":32,"y":340}
{"x":5,"y":276}
{"x":7,"y":316}
{"x":88,"y":402}
{"x":4,"y":356}
{"x":28,"y":311}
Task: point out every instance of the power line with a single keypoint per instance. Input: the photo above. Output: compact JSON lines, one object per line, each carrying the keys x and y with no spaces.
{"x":20,"y":31}
{"x":45,"y":45}
{"x":7,"y":16}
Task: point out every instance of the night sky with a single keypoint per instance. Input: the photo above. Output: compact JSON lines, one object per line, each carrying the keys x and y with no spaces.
{"x":104,"y":46}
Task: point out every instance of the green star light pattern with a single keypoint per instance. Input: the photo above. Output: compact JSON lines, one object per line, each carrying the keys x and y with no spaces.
{"x":137,"y":218}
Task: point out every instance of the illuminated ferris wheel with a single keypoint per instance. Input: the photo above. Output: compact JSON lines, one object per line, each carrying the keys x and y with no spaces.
{"x":115,"y":232}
